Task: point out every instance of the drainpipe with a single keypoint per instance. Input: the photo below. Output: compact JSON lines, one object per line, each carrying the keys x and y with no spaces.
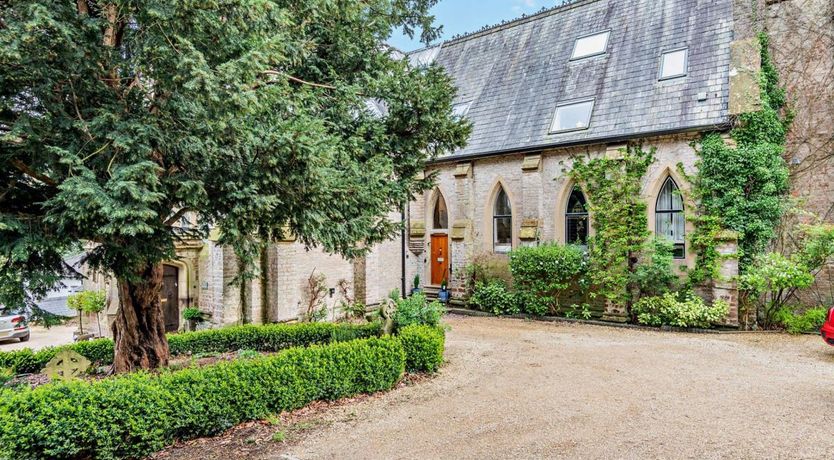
{"x":404,"y":213}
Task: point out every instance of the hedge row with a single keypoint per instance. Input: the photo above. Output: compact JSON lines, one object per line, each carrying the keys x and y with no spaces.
{"x":272,"y":337}
{"x":133,"y":415}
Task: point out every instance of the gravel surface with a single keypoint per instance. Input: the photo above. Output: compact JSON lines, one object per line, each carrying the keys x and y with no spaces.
{"x":522,"y":389}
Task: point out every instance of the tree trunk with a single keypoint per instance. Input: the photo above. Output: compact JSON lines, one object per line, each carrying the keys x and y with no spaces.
{"x":139,"y":329}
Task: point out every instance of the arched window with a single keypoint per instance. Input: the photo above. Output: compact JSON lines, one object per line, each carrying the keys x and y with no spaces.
{"x":502,"y":223}
{"x":669,"y":218}
{"x":440,"y":221}
{"x":576,"y":219}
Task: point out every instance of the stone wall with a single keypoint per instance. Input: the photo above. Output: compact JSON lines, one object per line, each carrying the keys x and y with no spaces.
{"x":538,"y":187}
{"x":802,"y":46}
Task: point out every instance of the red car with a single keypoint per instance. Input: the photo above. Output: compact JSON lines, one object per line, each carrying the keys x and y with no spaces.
{"x":827,"y":330}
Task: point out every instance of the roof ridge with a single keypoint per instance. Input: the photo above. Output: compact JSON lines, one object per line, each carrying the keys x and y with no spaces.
{"x":524,"y":18}
{"x":505,"y":24}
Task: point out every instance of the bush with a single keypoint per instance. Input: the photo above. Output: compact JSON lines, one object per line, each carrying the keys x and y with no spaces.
{"x":487,"y":267}
{"x":771,"y":280}
{"x":494,"y":297}
{"x":133,"y":415}
{"x":423,"y":347}
{"x":417,"y":310}
{"x":688,"y":312}
{"x":809,"y":321}
{"x":193,"y":314}
{"x":654,"y":276}
{"x":544,"y":276}
{"x":272,"y":337}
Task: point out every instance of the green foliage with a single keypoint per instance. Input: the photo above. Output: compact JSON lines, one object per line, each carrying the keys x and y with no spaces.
{"x":423,"y":347}
{"x":620,"y":223}
{"x":353,"y":310}
{"x":654,"y":275}
{"x":771,"y":280}
{"x":87,"y":301}
{"x":743,"y":188}
{"x":417,"y":310}
{"x":416,"y":281}
{"x":486,"y":267}
{"x":6,"y":374}
{"x":579,"y":311}
{"x":544,"y":275}
{"x":269,"y":338}
{"x":687,"y":311}
{"x":247,"y":354}
{"x":133,"y":415}
{"x":251,"y":117}
{"x":495,"y":298}
{"x":809,"y":321}
{"x":193,"y":314}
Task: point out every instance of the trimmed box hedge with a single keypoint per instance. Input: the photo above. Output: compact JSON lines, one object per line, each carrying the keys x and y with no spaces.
{"x":134,"y":415}
{"x":423,"y":346}
{"x":267,"y":338}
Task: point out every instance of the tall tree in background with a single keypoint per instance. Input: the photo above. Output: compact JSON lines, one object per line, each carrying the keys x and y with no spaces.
{"x":119,"y":118}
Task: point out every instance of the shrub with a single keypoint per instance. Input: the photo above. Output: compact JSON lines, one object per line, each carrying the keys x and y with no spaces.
{"x":690,"y":311}
{"x":423,"y":346}
{"x":272,"y":337}
{"x":494,"y":297}
{"x":133,"y":415}
{"x":487,"y":267}
{"x":417,"y":310}
{"x":545,"y":275}
{"x":810,"y":320}
{"x":654,"y":276}
{"x":193,"y":314}
{"x":771,"y":280}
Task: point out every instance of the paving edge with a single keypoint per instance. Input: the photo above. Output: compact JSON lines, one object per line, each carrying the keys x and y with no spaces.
{"x":592,"y":322}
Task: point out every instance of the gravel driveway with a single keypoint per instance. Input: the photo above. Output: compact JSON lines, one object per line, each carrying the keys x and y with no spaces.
{"x":520,"y":389}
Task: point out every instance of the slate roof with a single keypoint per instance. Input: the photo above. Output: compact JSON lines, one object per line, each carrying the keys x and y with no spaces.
{"x":512,"y":76}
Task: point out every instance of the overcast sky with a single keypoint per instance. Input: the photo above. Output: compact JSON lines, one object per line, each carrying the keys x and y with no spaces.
{"x":461,"y":16}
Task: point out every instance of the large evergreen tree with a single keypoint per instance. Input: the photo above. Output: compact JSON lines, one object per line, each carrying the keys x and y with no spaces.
{"x":117,"y":118}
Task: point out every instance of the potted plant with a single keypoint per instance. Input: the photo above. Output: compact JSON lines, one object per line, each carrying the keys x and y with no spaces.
{"x":416,"y":288}
{"x":193,"y":316}
{"x":444,"y":293}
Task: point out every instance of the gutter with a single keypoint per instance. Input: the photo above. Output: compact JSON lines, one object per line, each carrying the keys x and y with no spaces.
{"x":590,"y":141}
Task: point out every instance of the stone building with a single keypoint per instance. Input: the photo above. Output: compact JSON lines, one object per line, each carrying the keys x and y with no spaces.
{"x":583,"y":79}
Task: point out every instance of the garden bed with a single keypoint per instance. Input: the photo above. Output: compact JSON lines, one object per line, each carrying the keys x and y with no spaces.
{"x":134,"y":415}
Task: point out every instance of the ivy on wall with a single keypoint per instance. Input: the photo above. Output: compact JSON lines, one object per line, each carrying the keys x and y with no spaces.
{"x":742,"y":187}
{"x":613,"y":189}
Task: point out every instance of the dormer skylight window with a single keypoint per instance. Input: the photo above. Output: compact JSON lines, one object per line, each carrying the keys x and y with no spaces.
{"x":673,"y":64}
{"x":572,"y":116}
{"x":590,"y":45}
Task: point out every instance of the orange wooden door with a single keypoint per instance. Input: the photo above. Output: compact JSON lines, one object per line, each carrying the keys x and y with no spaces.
{"x":439,"y":258}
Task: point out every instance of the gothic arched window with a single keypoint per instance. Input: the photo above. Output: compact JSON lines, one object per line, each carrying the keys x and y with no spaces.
{"x":669,"y":218}
{"x":576,"y":218}
{"x":502,"y":223}
{"x":440,"y":220}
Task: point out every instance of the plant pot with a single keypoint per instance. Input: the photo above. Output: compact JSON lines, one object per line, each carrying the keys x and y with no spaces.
{"x":443,"y":295}
{"x":416,"y":291}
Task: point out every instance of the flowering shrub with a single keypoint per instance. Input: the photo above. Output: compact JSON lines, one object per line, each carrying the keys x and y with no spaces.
{"x":417,"y":310}
{"x":494,"y":297}
{"x":690,"y":311}
{"x":544,"y":276}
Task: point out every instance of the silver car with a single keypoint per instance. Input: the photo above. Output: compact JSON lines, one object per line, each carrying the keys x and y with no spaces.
{"x":13,"y":325}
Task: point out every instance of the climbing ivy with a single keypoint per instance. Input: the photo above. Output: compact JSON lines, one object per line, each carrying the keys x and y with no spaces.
{"x":613,"y":188}
{"x":742,"y":187}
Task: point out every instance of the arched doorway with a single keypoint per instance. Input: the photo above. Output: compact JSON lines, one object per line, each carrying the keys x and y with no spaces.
{"x":170,"y":297}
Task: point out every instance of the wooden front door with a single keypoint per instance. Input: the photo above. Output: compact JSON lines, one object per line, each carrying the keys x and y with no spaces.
{"x":170,"y":297}
{"x":439,"y":259}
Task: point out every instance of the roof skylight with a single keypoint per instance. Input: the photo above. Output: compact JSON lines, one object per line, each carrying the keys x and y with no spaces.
{"x":572,"y":116}
{"x":590,"y":45}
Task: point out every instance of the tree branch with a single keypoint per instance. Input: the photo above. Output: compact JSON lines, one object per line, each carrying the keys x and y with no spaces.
{"x":25,"y":169}
{"x":177,"y":215}
{"x":83,"y":7}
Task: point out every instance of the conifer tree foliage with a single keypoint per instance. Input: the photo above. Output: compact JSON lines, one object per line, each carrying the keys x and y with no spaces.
{"x":257,"y":117}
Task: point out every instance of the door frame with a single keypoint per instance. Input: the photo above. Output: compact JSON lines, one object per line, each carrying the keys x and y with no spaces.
{"x":431,"y":258}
